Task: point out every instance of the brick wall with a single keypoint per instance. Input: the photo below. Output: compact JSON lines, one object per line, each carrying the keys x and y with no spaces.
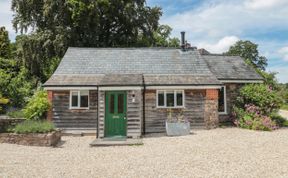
{"x":211,"y":117}
{"x":50,"y":98}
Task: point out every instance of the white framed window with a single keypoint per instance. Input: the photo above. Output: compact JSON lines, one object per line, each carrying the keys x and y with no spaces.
{"x":170,"y":98}
{"x":222,"y":103}
{"x":79,"y":99}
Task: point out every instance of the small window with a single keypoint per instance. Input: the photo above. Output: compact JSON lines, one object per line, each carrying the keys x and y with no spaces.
{"x":74,"y":99}
{"x":79,"y":99}
{"x":111,"y":104}
{"x":222,"y":101}
{"x":120,"y":103}
{"x":179,"y":97}
{"x":161,"y":98}
{"x":170,"y":98}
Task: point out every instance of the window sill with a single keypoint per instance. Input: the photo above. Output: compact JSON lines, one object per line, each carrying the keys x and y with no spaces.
{"x":222,"y":113}
{"x":179,"y":107}
{"x":78,"y":108}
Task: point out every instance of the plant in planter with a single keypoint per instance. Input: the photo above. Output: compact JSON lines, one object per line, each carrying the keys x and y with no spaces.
{"x":177,"y":125}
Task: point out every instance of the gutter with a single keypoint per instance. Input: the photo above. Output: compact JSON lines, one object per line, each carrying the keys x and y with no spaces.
{"x":97,"y":118}
{"x":143,"y":110}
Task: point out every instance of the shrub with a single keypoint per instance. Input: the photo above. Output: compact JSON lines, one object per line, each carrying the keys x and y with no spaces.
{"x":261,"y":96}
{"x":30,"y":126}
{"x":37,"y":106}
{"x":3,"y":101}
{"x":16,"y":114}
{"x":254,"y":107}
{"x":251,"y":117}
{"x":278,"y":119}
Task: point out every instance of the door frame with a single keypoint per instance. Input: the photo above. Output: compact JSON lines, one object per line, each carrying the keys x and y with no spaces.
{"x":106,"y":109}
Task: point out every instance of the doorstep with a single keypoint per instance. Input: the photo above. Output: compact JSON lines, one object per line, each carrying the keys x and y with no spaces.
{"x":120,"y":142}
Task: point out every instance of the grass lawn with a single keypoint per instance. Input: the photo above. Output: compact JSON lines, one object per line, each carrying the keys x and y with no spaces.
{"x":284,"y":107}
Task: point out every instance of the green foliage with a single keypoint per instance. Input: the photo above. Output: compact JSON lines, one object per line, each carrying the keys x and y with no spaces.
{"x":30,"y":126}
{"x":37,"y":106}
{"x":284,"y":107}
{"x":57,"y":24}
{"x":283,"y":93}
{"x":279,"y":120}
{"x":248,"y":51}
{"x":17,"y":85}
{"x":162,"y":37}
{"x":255,"y":108}
{"x":3,"y":101}
{"x":16,"y":114}
{"x":261,"y":96}
{"x":5,"y":48}
{"x":250,"y":117}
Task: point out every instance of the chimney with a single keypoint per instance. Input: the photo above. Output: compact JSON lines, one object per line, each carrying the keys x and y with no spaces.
{"x":183,"y":45}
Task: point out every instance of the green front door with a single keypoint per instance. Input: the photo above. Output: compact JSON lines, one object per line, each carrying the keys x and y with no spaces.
{"x":115,"y":113}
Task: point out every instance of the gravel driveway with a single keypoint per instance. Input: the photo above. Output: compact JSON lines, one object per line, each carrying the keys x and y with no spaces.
{"x":229,"y":152}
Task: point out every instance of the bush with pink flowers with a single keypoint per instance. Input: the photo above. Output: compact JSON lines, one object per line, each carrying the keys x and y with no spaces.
{"x":254,"y":106}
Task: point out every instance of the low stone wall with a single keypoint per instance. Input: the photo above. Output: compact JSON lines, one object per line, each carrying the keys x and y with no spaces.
{"x":6,"y":121}
{"x":33,"y":139}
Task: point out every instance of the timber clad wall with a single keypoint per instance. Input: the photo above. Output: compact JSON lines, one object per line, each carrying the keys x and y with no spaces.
{"x":194,"y":110}
{"x":76,"y":119}
{"x":134,"y":113}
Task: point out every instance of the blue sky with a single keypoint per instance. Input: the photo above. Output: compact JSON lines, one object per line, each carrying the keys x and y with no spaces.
{"x":217,"y":24}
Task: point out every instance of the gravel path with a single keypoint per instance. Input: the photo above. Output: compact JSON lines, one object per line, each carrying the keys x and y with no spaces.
{"x":229,"y":152}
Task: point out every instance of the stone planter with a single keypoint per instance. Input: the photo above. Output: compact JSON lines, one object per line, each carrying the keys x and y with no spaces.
{"x":33,"y":139}
{"x":177,"y":128}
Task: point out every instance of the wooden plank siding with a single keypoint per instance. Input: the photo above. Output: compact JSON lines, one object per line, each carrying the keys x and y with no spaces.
{"x":134,"y":113}
{"x":74,"y":119}
{"x":194,"y":110}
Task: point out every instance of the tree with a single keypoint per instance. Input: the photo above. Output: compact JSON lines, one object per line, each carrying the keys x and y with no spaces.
{"x":248,"y":51}
{"x":57,"y":24}
{"x":5,"y":48}
{"x":162,"y":37}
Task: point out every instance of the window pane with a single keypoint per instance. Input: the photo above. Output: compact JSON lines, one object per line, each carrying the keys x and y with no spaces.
{"x":179,"y":97}
{"x":84,"y":101}
{"x":221,"y":106}
{"x":74,"y":102}
{"x":170,"y":99}
{"x":160,"y":98}
{"x":111,"y":104}
{"x":120,"y":103}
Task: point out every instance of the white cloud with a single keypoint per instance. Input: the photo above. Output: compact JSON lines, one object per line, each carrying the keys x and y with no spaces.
{"x":284,"y":53}
{"x":230,"y":18}
{"x":282,"y":73}
{"x":264,"y":4}
{"x":221,"y":46}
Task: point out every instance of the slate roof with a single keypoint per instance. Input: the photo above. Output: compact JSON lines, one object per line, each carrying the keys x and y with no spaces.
{"x":182,"y":79}
{"x":230,"y":67}
{"x":149,"y":66}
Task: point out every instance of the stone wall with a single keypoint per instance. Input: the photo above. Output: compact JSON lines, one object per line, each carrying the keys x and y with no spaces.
{"x":211,"y":114}
{"x":6,"y":122}
{"x":49,"y":139}
{"x":211,"y":109}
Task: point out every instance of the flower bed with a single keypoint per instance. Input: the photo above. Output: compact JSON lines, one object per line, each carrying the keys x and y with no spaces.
{"x":32,"y":139}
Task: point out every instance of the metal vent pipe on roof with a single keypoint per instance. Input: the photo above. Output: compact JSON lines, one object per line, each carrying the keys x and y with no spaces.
{"x":183,"y":40}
